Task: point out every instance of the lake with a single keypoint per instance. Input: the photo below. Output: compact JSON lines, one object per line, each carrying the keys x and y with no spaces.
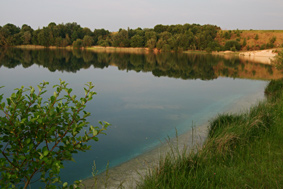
{"x":145,"y":97}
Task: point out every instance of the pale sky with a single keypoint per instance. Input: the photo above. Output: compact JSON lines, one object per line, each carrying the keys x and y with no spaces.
{"x":115,"y":14}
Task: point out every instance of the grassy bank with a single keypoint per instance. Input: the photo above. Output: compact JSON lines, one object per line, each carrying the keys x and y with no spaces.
{"x":242,"y":151}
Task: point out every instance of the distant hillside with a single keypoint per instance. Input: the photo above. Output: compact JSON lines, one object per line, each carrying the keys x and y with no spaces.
{"x":252,"y":39}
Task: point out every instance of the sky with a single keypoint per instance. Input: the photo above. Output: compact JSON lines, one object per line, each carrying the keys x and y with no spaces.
{"x":115,"y":14}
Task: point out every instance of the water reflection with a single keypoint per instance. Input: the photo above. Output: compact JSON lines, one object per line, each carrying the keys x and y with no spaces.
{"x":184,"y":66}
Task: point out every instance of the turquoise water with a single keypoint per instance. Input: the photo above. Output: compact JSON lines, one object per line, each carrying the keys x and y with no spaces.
{"x":142,"y":108}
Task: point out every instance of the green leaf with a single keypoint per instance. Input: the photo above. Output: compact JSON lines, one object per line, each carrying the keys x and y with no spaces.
{"x":32,"y":90}
{"x":28,"y":140}
{"x":65,"y":184}
{"x":52,"y":99}
{"x":94,"y":132}
{"x":39,"y":88}
{"x":45,"y":153}
{"x":13,"y":95}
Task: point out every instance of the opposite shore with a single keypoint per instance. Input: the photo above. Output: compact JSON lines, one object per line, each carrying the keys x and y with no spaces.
{"x":258,"y":56}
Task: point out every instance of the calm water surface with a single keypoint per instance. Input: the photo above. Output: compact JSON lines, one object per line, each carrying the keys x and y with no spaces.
{"x":144,"y":97}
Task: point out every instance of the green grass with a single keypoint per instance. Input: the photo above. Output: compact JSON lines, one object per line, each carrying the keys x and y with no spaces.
{"x":242,"y":151}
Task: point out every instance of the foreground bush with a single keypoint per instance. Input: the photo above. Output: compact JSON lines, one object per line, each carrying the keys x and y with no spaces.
{"x":36,"y":136}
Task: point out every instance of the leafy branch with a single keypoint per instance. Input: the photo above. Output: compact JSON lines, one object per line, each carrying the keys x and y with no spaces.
{"x":36,"y":137}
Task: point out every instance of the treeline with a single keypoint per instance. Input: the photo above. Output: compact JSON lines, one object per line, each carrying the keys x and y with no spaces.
{"x":162,"y":37}
{"x":176,"y":65}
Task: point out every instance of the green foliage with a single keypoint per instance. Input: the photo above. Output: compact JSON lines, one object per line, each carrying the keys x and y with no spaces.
{"x":87,"y":41}
{"x":37,"y":135}
{"x":151,"y":43}
{"x":232,"y":45}
{"x":100,"y":33}
{"x":9,"y":35}
{"x":272,"y":40}
{"x":274,"y":89}
{"x":228,"y":34}
{"x":78,"y":44}
{"x":121,"y":39}
{"x":256,"y":37}
{"x":187,"y":36}
{"x":137,"y":41}
{"x":278,"y":60}
{"x":104,"y":42}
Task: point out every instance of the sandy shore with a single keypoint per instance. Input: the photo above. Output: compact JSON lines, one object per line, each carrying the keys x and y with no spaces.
{"x":262,"y":56}
{"x":130,"y":173}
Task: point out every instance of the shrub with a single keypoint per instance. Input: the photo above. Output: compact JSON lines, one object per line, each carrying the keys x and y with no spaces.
{"x":232,"y":45}
{"x":272,"y":40}
{"x":256,"y":37}
{"x":244,"y":42}
{"x":36,"y":136}
{"x":278,"y":60}
{"x":274,"y":89}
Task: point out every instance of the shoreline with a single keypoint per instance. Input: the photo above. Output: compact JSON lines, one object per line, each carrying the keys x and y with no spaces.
{"x":258,"y":56}
{"x":129,"y":173}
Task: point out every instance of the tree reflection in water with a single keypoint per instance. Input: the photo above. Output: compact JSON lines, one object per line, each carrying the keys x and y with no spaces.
{"x":175,"y":65}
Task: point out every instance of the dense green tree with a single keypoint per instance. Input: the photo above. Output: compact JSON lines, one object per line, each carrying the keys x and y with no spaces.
{"x":121,"y":39}
{"x":104,"y":42}
{"x":78,"y":44}
{"x":151,"y":43}
{"x":87,"y":31}
{"x":4,"y":37}
{"x":9,"y":35}
{"x":160,"y":43}
{"x":12,"y":29}
{"x":102,"y":33}
{"x":26,"y":38}
{"x":232,"y":45}
{"x":25,"y":28}
{"x":87,"y":41}
{"x":160,"y":28}
{"x":44,"y":37}
{"x":137,"y":41}
{"x":150,"y":35}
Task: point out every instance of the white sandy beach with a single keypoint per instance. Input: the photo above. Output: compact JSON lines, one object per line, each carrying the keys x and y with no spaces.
{"x":262,"y":56}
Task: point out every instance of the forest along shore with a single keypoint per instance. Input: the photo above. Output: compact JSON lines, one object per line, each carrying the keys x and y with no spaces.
{"x":128,"y":174}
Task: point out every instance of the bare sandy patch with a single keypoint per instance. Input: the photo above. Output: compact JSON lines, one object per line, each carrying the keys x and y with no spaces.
{"x":261,"y":56}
